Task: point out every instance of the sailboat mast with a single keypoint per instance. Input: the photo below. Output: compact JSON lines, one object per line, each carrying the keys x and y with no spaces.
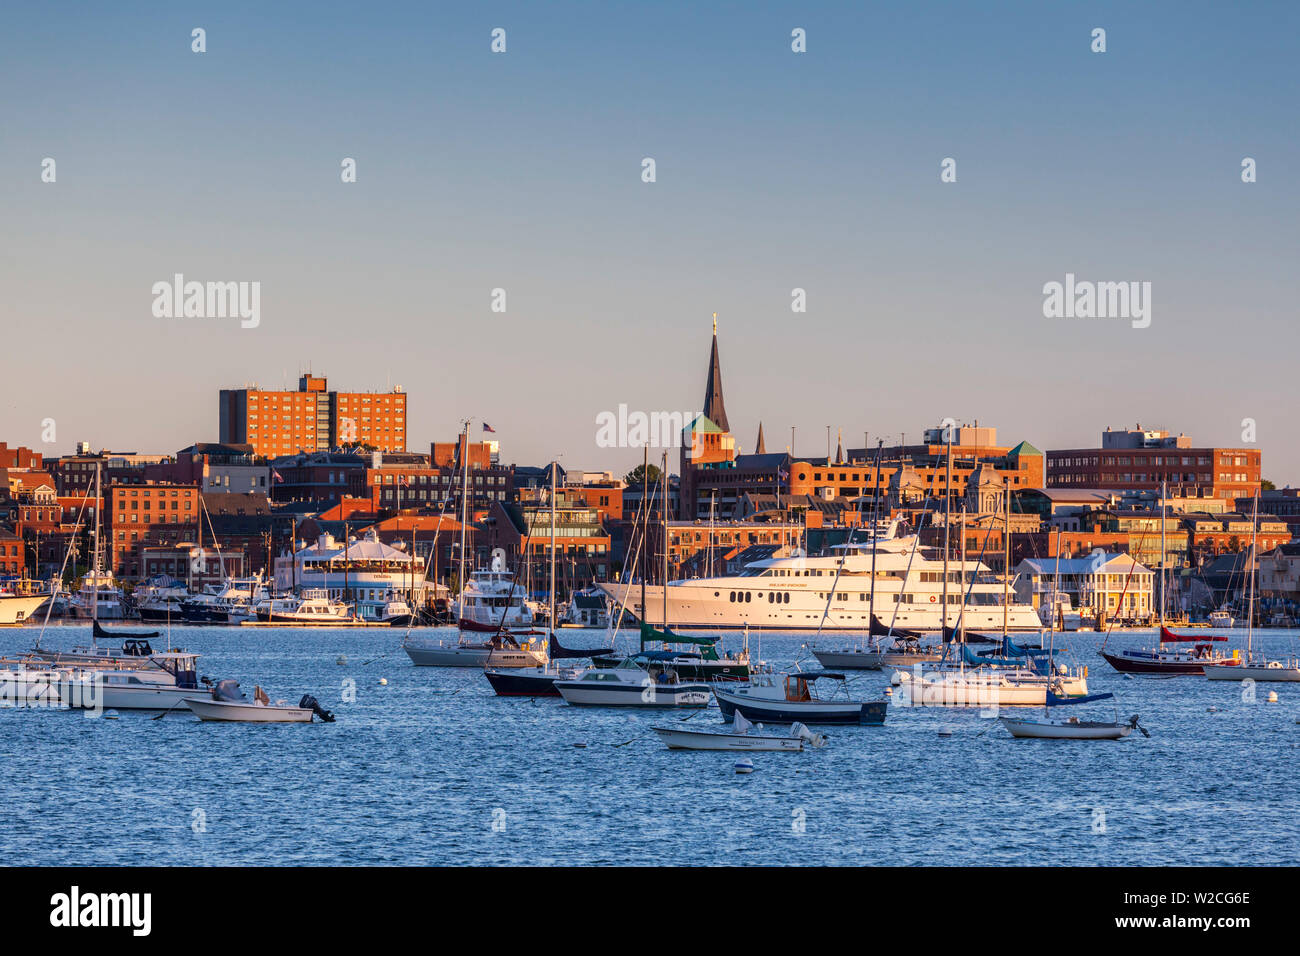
{"x":645,"y":524}
{"x":875,"y":525}
{"x":664,"y":476}
{"x":947,"y":529}
{"x":1254,"y":569}
{"x":961,"y":616}
{"x":1006,"y":565}
{"x":464,"y":519}
{"x":94,"y":589}
{"x":1163,"y":553}
{"x":551,"y":587}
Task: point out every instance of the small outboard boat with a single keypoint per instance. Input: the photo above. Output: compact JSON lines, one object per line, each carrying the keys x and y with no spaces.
{"x":228,"y":703}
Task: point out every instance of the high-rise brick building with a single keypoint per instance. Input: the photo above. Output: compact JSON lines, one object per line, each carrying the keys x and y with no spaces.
{"x":311,"y":419}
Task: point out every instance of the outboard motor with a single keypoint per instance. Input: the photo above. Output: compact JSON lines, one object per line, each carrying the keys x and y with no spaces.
{"x":313,"y":704}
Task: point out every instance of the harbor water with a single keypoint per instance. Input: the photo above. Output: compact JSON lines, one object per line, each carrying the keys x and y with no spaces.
{"x":432,"y":768}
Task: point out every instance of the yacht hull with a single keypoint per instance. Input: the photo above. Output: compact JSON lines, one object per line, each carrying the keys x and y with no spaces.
{"x":16,"y":609}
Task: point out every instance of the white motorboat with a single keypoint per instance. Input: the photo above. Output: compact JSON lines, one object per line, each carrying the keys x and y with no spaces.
{"x":227,"y":702}
{"x":99,"y":598}
{"x":314,"y":606}
{"x":23,"y":684}
{"x":1222,"y":618}
{"x":160,"y":687}
{"x":743,"y":736}
{"x":632,"y":687}
{"x":1069,"y":728}
{"x":278,"y":713}
{"x":493,"y":600}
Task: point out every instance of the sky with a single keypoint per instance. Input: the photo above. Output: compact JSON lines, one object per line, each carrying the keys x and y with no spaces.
{"x":774,"y":171}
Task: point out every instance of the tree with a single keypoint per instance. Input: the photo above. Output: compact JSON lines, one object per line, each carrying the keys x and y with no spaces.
{"x":1266,"y":485}
{"x":638,"y":475}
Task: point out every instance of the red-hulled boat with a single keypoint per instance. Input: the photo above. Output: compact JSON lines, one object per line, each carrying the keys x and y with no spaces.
{"x":1177,"y":660}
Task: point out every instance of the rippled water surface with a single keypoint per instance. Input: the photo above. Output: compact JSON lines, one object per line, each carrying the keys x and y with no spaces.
{"x":418,"y":771}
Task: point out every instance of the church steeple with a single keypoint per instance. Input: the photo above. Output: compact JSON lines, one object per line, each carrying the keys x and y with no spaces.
{"x":714,"y":410}
{"x":760,"y":448}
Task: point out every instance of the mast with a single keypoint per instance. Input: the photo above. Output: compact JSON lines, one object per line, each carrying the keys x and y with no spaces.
{"x":1254,"y":566}
{"x":1006,"y":566}
{"x":94,"y":589}
{"x":961,"y":617}
{"x":645,"y":524}
{"x":346,"y":548}
{"x":1163,"y":553}
{"x":947,"y":529}
{"x":875,"y":525}
{"x":664,"y":476}
{"x":551,"y":588}
{"x":464,"y":505}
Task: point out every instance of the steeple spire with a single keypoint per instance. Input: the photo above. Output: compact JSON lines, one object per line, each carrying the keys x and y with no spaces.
{"x":714,"y":410}
{"x":760,"y":448}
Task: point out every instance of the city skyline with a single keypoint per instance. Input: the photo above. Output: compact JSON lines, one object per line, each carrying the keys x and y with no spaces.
{"x":776,"y":171}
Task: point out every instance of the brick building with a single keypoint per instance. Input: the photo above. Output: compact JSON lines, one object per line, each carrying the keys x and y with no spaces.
{"x":311,"y":419}
{"x":1140,"y":458}
{"x":144,"y":515}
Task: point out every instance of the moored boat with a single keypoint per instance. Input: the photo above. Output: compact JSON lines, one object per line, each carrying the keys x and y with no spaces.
{"x":795,"y":698}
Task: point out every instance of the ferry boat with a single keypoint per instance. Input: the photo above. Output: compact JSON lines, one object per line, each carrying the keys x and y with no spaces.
{"x":793,"y":593}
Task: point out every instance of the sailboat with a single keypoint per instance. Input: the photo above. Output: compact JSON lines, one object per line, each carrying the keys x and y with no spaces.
{"x":501,"y":649}
{"x":1272,"y":671}
{"x":539,"y":681}
{"x":706,"y":663}
{"x":1072,"y":728}
{"x":1162,"y":659}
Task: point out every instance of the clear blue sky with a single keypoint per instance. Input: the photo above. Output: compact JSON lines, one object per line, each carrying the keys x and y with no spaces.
{"x":775,"y":171}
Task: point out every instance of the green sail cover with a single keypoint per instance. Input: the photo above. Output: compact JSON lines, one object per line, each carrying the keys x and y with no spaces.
{"x":709,"y":645}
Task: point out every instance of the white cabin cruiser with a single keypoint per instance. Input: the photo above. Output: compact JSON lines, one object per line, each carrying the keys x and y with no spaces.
{"x":492,"y":599}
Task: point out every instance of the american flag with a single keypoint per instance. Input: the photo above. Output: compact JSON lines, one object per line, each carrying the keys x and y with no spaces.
{"x":276,"y":475}
{"x":489,"y":428}
{"x":401,"y":479}
{"x":782,"y":474}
